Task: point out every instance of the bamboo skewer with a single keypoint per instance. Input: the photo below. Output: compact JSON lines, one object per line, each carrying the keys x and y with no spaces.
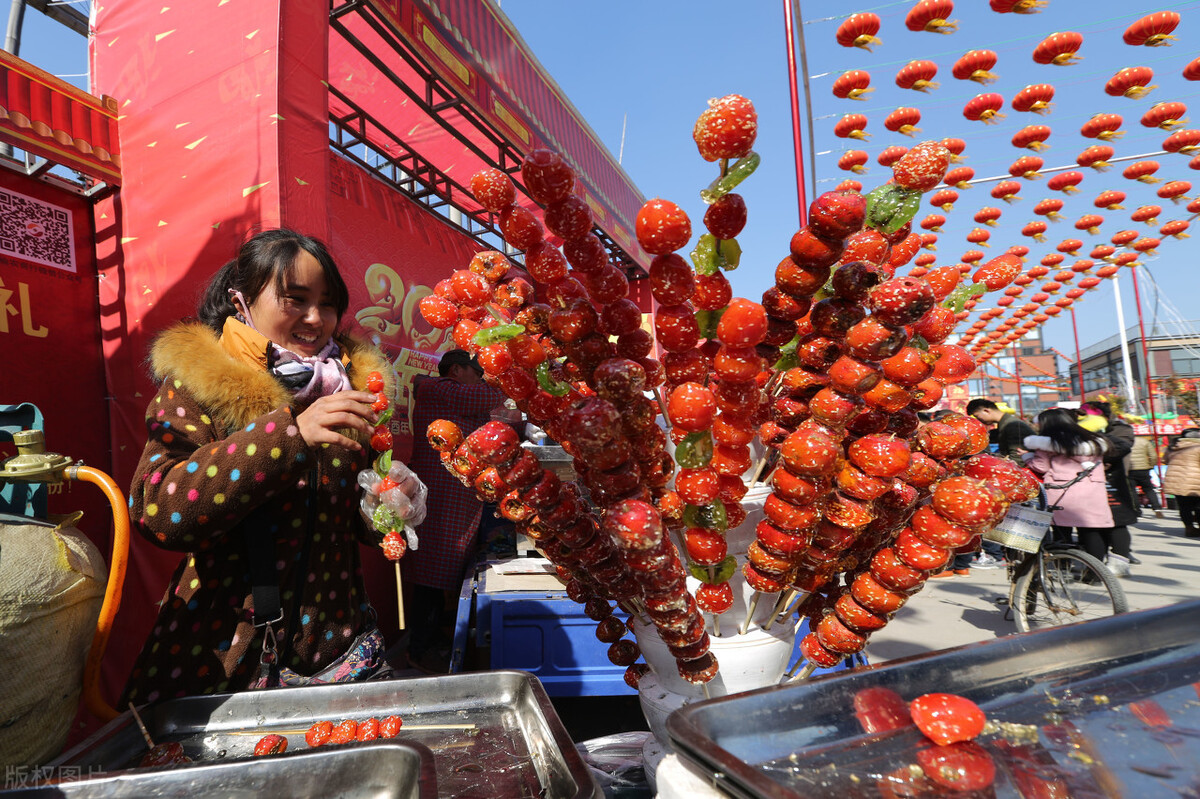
{"x":749,"y":613}
{"x":302,"y":730}
{"x":399,"y":596}
{"x":141,"y":726}
{"x":804,"y":673}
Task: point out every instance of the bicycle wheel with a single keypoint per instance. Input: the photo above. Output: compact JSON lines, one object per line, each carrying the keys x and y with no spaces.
{"x":1077,"y":587}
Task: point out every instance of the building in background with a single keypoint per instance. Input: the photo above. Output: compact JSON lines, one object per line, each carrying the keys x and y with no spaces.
{"x":1025,"y":377}
{"x":1174,"y":351}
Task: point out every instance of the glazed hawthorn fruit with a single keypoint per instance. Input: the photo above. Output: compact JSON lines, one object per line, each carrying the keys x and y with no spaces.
{"x":662,"y":227}
{"x":947,"y":718}
{"x":691,"y":407}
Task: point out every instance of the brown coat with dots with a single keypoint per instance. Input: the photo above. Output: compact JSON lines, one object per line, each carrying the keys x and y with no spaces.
{"x":224,"y":460}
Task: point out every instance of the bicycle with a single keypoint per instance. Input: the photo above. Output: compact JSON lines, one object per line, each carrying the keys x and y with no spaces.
{"x":1052,"y":583}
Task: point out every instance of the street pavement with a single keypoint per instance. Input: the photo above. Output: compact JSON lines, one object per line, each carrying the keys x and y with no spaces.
{"x":952,"y":611}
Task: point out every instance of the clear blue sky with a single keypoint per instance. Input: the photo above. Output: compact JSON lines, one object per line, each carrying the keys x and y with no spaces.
{"x":643,"y":70}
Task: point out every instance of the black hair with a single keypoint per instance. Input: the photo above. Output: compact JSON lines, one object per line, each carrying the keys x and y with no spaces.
{"x":1062,"y":427}
{"x":267,"y":256}
{"x":451,"y":358}
{"x":979,"y":403}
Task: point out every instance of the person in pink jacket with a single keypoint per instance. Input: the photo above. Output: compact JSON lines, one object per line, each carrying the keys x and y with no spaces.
{"x":1070,"y":461}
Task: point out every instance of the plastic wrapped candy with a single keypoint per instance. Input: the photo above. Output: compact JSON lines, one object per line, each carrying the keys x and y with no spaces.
{"x":394,"y":502}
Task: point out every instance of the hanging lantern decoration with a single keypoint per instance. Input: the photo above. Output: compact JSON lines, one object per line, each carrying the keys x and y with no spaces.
{"x":960,"y":177}
{"x":1052,"y":310}
{"x":1176,"y":228}
{"x":1019,"y":250}
{"x":1034,"y":98}
{"x":1018,"y":6}
{"x":1069,"y":246}
{"x":1104,"y":127}
{"x":956,"y":147}
{"x":1036,"y":272}
{"x":988,"y":215}
{"x":1014,"y":291}
{"x":979,"y":236}
{"x":1027,"y":167}
{"x":1081,"y":267}
{"x":984,"y":108}
{"x":890,"y":155}
{"x":918,"y":271}
{"x":1051,"y":287}
{"x":929,"y":241}
{"x":1192,"y":70}
{"x":851,"y":126}
{"x":858,"y":30}
{"x":1049,"y":208}
{"x":1076,"y":293}
{"x":932,"y":16}
{"x":848,"y":185}
{"x":972,"y":257}
{"x":1059,"y":48}
{"x":924,"y":259}
{"x":1066,"y":182}
{"x":1142,"y":171}
{"x":1040,"y":297}
{"x":1064,"y":276}
{"x":852,"y":161}
{"x":1063,"y":302}
{"x":1109,"y":270}
{"x":1102,"y":252}
{"x":1088,"y":283}
{"x":1193,"y":207}
{"x":1090,"y":223}
{"x":918,"y":76}
{"x":1110,"y":199}
{"x":1035,"y":231}
{"x":1052,"y":260}
{"x":1147,"y":245}
{"x":944,"y":199}
{"x":976,"y":65}
{"x":1147,"y":213}
{"x":1174,"y":191}
{"x":1032,"y":137}
{"x":1152,"y":30}
{"x":1194,"y":163}
{"x":1006,"y":190}
{"x":1125,"y":259}
{"x":1131,"y":82}
{"x":1096,"y":157}
{"x":852,"y":85}
{"x":933,"y":223}
{"x":1123,"y":237}
{"x":1165,"y":115}
{"x":1004,"y":302}
{"x":903,"y":120}
{"x":1182,"y":141}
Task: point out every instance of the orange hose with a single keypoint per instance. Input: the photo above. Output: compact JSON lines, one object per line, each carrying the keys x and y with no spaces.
{"x":92,"y":700}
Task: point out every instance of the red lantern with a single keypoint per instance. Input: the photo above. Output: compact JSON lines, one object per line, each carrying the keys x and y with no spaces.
{"x":1040,"y":297}
{"x":1174,"y":191}
{"x":1152,"y":30}
{"x":1064,"y":276}
{"x":1176,"y":228}
{"x":1125,"y":259}
{"x":1131,"y":82}
{"x":1032,"y":137}
{"x":1147,"y":213}
{"x":1069,"y":246}
{"x":979,"y":236}
{"x":1051,"y":287}
{"x":1103,"y":127}
{"x":1142,"y":171}
{"x":944,"y":199}
{"x":1049,"y":208}
{"x":1037,"y":271}
{"x":988,"y":215}
{"x":984,"y":108}
{"x":852,"y":161}
{"x":1035,"y":98}
{"x":1017,"y":6}
{"x":1035,"y":231}
{"x":925,"y":259}
{"x":1165,"y":115}
{"x":929,"y":241}
{"x":852,"y":85}
{"x":932,"y":16}
{"x":1026,"y":166}
{"x":976,"y":65}
{"x":1107,"y":271}
{"x":1123,"y":237}
{"x":1110,"y":199}
{"x":858,"y":30}
{"x":903,"y":120}
{"x":972,"y":257}
{"x":1089,"y":282}
{"x":960,"y":176}
{"x":890,"y":155}
{"x":1019,"y":250}
{"x":1182,"y":141}
{"x":1052,"y":310}
{"x":918,"y":271}
{"x":1096,"y":157}
{"x":1063,"y":302}
{"x":1194,"y":163}
{"x":1102,"y":251}
{"x":1065,"y":182}
{"x":1192,"y":70}
{"x":1059,"y":48}
{"x":851,"y":126}
{"x":1193,"y":207}
{"x":955,"y":146}
{"x":933,"y":222}
{"x":1006,"y":190}
{"x":1089,"y":222}
{"x":1004,"y":302}
{"x":918,"y":76}
{"x":1147,"y":245}
{"x":848,"y":185}
{"x":1014,"y":291}
{"x":1052,"y":260}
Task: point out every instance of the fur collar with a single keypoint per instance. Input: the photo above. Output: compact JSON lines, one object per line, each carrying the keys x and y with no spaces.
{"x":1044,"y":444}
{"x":236,"y":392}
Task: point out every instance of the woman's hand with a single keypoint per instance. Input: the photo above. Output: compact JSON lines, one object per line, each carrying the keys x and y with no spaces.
{"x":350,"y":409}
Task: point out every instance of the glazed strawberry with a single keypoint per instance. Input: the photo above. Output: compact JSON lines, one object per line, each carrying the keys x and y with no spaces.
{"x":712,"y":293}
{"x":964,"y":766}
{"x":810,"y":250}
{"x":318,"y":734}
{"x":368,"y":730}
{"x":881,"y":456}
{"x":743,"y":324}
{"x":900,"y":300}
{"x":880,"y":709}
{"x":691,"y":407}
{"x":438,"y":311}
{"x":381,"y":439}
{"x":867,"y":245}
{"x":726,"y":129}
{"x":394,"y":546}
{"x":569,"y":218}
{"x":662,"y":227}
{"x":835,"y":215}
{"x":716,"y":598}
{"x":953,"y":365}
{"x":903,"y":249}
{"x":270,"y":745}
{"x":998,"y":272}
{"x":706,"y":547}
{"x":520,"y":227}
{"x":493,"y":189}
{"x":922,"y":167}
{"x":344,"y":732}
{"x":947,"y":718}
{"x":547,"y":178}
{"x":374,"y":382}
{"x":464,"y":334}
{"x":634,"y":524}
{"x":726,"y":217}
{"x":390,"y":727}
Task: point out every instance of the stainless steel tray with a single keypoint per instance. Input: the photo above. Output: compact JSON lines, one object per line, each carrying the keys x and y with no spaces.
{"x":517,"y":747}
{"x":1103,"y":708}
{"x":384,"y":771}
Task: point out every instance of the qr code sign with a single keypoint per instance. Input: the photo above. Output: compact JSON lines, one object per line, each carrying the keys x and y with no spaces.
{"x":36,"y":231}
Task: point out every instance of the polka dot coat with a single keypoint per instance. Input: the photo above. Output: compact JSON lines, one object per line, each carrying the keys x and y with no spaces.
{"x":224,"y":459}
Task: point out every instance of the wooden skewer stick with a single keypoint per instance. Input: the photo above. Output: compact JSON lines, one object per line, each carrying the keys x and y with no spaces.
{"x":762,"y":463}
{"x":141,"y":726}
{"x":399,"y":596}
{"x":804,"y":673}
{"x":792,"y":603}
{"x":784,"y":598}
{"x":704,"y":687}
{"x":301,"y":731}
{"x":662,"y":406}
{"x":749,"y":613}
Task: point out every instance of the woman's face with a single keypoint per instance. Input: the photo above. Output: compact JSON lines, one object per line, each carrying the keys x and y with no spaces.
{"x":304,"y":317}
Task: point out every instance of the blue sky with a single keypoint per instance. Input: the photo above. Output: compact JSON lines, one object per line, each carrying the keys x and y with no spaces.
{"x":640,"y":73}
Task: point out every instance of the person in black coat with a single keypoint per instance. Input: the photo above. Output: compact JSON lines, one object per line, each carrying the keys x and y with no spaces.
{"x":1121,"y":499}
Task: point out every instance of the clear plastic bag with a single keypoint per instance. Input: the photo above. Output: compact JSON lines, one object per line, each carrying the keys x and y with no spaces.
{"x":399,"y":507}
